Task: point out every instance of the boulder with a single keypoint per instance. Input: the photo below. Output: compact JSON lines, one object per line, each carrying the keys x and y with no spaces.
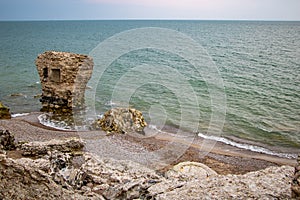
{"x":190,"y":170}
{"x":4,"y":112}
{"x":42,"y":148}
{"x":7,"y":140}
{"x":296,"y":181}
{"x":122,"y":120}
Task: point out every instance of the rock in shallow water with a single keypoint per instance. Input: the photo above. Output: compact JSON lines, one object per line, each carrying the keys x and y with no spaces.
{"x":4,"y":112}
{"x":122,"y":120}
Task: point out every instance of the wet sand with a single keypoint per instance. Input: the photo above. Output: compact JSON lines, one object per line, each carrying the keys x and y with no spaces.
{"x":224,"y":159}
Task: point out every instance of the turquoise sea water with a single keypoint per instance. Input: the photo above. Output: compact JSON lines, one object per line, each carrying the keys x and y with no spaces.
{"x":259,"y":63}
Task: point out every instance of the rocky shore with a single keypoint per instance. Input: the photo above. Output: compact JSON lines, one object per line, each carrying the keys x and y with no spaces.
{"x":60,"y":169}
{"x":39,"y":162}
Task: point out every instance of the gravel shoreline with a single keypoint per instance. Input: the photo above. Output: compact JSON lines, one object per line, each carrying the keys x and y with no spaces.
{"x":224,"y":159}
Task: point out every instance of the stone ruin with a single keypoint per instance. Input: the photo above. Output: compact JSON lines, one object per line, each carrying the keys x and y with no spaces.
{"x":63,"y":78}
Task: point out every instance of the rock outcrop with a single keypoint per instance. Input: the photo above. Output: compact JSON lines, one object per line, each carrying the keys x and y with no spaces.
{"x":122,"y":120}
{"x":7,"y":140}
{"x":270,"y":183}
{"x":42,"y":148}
{"x":27,"y":179}
{"x":61,"y":175}
{"x":65,"y":173}
{"x":63,"y":77}
{"x":4,"y":112}
{"x":296,"y":181}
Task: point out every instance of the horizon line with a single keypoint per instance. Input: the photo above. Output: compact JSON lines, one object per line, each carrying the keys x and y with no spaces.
{"x":149,"y":19}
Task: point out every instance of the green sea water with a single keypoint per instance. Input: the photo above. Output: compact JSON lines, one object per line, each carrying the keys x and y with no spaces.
{"x":259,"y":63}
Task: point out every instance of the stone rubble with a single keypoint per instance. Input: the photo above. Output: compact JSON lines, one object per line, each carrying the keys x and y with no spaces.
{"x":296,"y":181}
{"x":270,"y":183}
{"x":42,"y":148}
{"x":59,"y":170}
{"x":7,"y":140}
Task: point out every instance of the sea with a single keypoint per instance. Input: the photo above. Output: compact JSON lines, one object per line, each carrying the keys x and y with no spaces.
{"x":255,"y":64}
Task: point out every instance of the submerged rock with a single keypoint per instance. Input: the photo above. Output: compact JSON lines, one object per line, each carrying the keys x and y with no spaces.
{"x":122,"y":120}
{"x":4,"y":112}
{"x":296,"y":181}
{"x":7,"y":140}
{"x":18,"y":95}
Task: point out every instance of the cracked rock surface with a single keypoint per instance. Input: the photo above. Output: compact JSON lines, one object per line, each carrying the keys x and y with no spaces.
{"x":60,"y":169}
{"x":296,"y":181}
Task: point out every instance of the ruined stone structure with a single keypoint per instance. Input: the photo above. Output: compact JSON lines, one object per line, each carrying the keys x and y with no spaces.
{"x":63,"y":77}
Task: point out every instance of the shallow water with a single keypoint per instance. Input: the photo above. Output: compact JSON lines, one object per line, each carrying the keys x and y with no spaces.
{"x":258,"y":62}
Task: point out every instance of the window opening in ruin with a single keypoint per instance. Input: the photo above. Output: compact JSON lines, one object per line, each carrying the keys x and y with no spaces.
{"x":45,"y":73}
{"x":55,"y":75}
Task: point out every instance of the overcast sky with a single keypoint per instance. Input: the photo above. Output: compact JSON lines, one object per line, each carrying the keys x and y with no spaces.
{"x":150,"y":9}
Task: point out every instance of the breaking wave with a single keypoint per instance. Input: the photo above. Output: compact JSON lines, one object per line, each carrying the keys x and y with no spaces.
{"x":19,"y":115}
{"x":253,"y":148}
{"x":46,"y":120}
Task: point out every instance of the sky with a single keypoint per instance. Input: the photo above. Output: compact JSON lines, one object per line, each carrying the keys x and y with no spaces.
{"x":150,"y":9}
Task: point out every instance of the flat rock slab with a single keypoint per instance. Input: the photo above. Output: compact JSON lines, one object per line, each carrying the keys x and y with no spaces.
{"x":190,"y":170}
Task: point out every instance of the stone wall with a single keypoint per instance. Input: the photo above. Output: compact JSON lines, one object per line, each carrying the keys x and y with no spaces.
{"x":63,"y":78}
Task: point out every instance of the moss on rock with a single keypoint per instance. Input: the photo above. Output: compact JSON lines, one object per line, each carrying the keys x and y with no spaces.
{"x":4,"y":112}
{"x":122,"y":120}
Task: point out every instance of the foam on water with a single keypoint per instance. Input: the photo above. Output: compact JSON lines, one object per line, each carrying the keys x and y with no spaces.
{"x":19,"y":115}
{"x":110,"y":103}
{"x":249,"y":147}
{"x":246,"y":146}
{"x":47,"y":121}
